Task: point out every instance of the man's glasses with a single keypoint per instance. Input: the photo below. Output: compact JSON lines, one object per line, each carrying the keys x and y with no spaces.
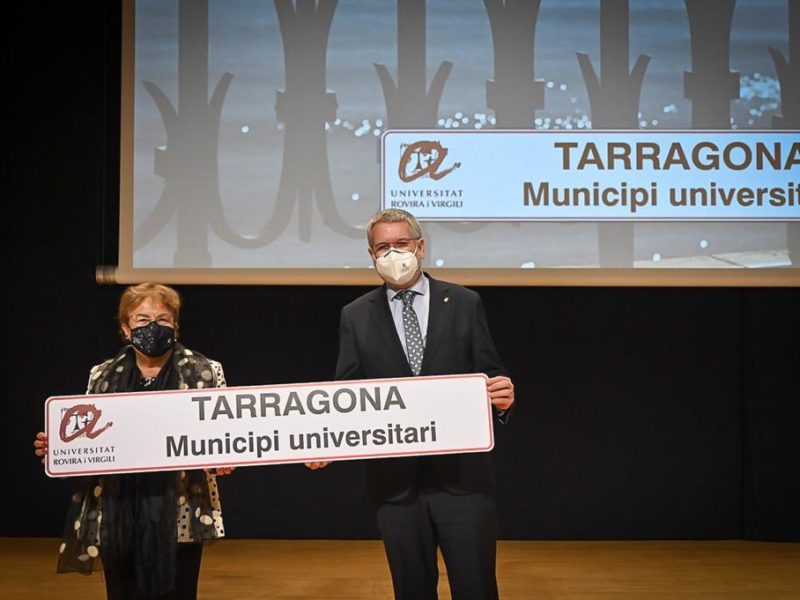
{"x":402,"y":244}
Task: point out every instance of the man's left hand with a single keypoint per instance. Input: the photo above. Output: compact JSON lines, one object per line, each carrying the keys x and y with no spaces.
{"x":501,"y":392}
{"x":221,"y":470}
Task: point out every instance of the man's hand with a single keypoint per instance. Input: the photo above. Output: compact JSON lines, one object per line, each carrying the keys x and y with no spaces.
{"x":40,"y":443}
{"x":318,"y":465}
{"x":501,"y":392}
{"x":221,"y":470}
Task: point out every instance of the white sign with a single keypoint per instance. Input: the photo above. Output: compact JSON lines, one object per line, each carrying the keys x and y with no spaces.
{"x":549,"y":175}
{"x":240,"y":426}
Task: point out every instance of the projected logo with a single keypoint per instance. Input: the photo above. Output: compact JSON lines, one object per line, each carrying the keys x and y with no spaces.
{"x":424,"y":158}
{"x":81,"y":420}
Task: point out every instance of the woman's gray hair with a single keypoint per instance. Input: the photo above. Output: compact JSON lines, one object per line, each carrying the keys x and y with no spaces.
{"x":394,"y":215}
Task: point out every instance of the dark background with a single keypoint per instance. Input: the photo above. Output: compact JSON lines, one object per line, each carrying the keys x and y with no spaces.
{"x":642,"y":413}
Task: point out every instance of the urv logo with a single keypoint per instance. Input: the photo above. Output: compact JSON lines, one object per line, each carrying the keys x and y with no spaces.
{"x":424,"y":158}
{"x":80,"y":420}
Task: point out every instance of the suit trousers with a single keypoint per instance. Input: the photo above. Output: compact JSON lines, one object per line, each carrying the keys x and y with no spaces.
{"x":463,"y":526}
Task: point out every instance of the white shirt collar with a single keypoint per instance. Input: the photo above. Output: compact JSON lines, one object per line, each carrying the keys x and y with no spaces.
{"x":421,"y":287}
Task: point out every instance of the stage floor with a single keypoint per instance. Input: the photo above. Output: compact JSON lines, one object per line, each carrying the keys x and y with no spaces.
{"x":322,"y":569}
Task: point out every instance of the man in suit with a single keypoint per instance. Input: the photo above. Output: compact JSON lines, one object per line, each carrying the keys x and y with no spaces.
{"x":417,"y":325}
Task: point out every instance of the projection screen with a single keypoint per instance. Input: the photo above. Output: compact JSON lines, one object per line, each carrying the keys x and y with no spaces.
{"x":577,"y":142}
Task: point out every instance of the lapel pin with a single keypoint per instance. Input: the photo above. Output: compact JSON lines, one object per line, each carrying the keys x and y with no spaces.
{"x":446,"y":299}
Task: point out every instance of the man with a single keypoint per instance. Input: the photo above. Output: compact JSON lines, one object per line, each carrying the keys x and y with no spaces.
{"x":417,"y":325}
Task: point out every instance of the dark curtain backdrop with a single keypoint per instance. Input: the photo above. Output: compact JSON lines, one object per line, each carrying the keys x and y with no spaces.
{"x":643,"y":413}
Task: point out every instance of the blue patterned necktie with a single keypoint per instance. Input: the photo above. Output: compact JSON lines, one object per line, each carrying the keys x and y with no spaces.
{"x":414,"y":346}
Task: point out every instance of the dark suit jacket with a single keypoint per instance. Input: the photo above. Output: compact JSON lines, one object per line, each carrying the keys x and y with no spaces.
{"x":458,"y":341}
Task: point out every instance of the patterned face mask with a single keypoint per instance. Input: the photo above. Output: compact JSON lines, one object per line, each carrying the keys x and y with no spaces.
{"x":153,"y":339}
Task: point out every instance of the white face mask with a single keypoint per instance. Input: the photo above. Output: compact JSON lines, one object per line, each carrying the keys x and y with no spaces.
{"x":397,"y":267}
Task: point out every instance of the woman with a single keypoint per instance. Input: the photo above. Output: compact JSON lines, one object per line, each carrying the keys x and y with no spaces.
{"x":130,"y":521}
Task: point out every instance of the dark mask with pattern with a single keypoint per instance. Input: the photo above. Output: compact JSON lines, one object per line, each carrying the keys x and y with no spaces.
{"x":153,"y":339}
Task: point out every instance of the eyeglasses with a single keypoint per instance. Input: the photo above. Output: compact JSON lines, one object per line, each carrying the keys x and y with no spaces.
{"x":402,"y":244}
{"x":145,"y":320}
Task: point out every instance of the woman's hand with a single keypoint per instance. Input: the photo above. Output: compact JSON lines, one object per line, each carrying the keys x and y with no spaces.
{"x":40,"y":443}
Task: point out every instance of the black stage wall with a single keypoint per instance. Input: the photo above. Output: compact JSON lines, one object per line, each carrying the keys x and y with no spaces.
{"x":642,"y":413}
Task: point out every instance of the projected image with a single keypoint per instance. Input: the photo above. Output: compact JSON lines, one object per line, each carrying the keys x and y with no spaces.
{"x":257,"y":125}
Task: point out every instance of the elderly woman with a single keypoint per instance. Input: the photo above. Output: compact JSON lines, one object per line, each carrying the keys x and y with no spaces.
{"x":147,"y":528}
